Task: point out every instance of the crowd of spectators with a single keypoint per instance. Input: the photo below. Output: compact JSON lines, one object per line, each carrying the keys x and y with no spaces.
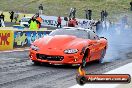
{"x":35,"y":22}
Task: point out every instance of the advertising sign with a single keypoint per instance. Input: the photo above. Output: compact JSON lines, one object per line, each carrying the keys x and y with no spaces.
{"x":6,"y":39}
{"x":25,"y":38}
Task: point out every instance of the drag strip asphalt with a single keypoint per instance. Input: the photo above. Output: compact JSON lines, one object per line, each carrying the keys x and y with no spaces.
{"x":17,"y":71}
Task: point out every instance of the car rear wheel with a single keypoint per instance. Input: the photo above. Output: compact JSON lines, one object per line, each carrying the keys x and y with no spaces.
{"x":84,"y":62}
{"x":102,"y":55}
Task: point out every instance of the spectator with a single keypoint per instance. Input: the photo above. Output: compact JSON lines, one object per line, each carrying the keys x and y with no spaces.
{"x":90,"y":14}
{"x":105,"y":23}
{"x":59,"y":22}
{"x":72,"y":22}
{"x":98,"y":27}
{"x":71,"y":12}
{"x":2,"y":16}
{"x":33,"y":24}
{"x":16,"y":15}
{"x":131,"y":5}
{"x":74,"y":13}
{"x":2,"y":24}
{"x":66,"y":19}
{"x":86,"y":13}
{"x":102,"y":15}
{"x":40,"y":9}
{"x":36,"y":15}
{"x":40,"y":20}
{"x":11,"y":15}
{"x":105,"y":14}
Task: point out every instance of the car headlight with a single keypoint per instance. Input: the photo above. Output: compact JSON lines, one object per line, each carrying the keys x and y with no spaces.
{"x":70,"y":51}
{"x":33,"y":47}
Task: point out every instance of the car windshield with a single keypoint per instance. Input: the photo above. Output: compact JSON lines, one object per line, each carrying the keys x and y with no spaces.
{"x":25,"y":19}
{"x":77,"y":33}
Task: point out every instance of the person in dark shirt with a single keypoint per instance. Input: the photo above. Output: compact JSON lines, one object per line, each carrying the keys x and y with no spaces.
{"x":40,"y":9}
{"x":2,"y":16}
{"x":86,"y":13}
{"x":74,"y":13}
{"x":11,"y":15}
{"x":131,"y":5}
{"x":102,"y":15}
{"x":90,"y":14}
{"x":105,"y":13}
{"x":71,"y":12}
{"x":59,"y":22}
{"x":98,"y":26}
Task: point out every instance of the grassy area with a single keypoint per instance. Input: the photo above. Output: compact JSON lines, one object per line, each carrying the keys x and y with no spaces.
{"x":115,"y":8}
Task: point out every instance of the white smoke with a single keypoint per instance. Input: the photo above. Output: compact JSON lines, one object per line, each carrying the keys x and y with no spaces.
{"x":119,"y":42}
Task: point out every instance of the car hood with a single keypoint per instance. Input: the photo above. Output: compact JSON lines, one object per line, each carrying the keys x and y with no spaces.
{"x":60,"y":42}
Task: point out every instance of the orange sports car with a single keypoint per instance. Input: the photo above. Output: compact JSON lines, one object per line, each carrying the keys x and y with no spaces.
{"x":69,"y":45}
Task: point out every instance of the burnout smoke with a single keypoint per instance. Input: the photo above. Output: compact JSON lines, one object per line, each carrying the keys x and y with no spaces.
{"x":119,"y":42}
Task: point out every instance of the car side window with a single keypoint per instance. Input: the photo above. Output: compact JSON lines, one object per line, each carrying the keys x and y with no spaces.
{"x":93,"y":36}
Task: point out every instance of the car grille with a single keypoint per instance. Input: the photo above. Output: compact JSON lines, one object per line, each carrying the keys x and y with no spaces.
{"x":49,"y":57}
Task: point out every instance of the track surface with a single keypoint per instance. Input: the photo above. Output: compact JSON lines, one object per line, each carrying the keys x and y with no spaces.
{"x":17,"y":71}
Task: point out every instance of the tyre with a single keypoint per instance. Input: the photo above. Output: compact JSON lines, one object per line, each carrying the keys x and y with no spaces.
{"x":36,"y":63}
{"x":84,"y":62}
{"x":102,"y":55}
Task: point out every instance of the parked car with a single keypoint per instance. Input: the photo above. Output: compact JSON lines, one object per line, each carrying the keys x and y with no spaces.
{"x":24,"y":21}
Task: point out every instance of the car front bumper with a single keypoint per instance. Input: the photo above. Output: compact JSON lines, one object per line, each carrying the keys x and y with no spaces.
{"x":73,"y":59}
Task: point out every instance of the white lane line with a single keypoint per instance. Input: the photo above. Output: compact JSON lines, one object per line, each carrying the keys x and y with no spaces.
{"x":126,"y":69}
{"x":13,"y":50}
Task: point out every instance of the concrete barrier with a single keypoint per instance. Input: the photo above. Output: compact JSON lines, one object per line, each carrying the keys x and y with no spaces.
{"x":11,"y":38}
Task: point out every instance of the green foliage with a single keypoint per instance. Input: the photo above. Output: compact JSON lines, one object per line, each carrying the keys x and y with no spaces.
{"x":61,"y":7}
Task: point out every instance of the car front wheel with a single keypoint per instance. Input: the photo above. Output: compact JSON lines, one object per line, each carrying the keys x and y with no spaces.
{"x":36,"y":63}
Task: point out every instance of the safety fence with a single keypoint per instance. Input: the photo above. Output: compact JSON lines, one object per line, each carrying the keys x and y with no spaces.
{"x":10,"y":39}
{"x":51,"y":21}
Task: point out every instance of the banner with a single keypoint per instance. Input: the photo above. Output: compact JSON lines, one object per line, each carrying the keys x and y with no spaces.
{"x":25,"y":38}
{"x":84,"y":23}
{"x":52,"y":21}
{"x":6,"y":39}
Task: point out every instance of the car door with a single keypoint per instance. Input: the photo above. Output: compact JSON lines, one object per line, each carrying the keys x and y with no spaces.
{"x":94,"y":46}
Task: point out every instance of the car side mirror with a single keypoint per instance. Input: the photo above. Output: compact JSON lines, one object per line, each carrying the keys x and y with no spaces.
{"x":103,"y":37}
